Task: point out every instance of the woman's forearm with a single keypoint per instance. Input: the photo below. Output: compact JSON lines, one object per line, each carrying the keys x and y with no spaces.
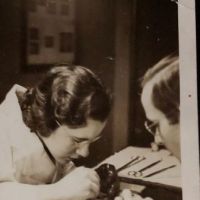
{"x":19,"y":191}
{"x":82,"y":183}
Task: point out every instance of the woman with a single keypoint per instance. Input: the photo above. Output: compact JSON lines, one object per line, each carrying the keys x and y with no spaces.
{"x":44,"y":128}
{"x":161,"y":101}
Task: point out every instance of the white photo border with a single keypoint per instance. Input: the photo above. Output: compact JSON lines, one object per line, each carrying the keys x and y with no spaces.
{"x":188,"y":106}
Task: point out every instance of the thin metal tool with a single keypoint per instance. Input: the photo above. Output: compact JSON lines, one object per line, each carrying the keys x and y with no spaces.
{"x":127,"y":164}
{"x":149,"y":166}
{"x":159,"y":171}
{"x":140,"y":172}
{"x":143,"y":158}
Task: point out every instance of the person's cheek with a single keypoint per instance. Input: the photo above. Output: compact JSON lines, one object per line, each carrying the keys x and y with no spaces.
{"x":83,"y":150}
{"x":68,"y":148}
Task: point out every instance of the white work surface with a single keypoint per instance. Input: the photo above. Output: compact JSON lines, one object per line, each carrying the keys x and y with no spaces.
{"x":169,"y":177}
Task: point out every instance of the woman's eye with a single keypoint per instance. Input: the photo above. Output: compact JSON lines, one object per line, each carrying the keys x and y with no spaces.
{"x":77,"y":140}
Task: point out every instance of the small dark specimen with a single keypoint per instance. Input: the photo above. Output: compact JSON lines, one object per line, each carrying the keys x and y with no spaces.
{"x":109,"y":181}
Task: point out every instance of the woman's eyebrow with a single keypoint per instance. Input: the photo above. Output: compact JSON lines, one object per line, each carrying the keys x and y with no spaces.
{"x":86,"y":139}
{"x":97,"y":138}
{"x":81,"y":139}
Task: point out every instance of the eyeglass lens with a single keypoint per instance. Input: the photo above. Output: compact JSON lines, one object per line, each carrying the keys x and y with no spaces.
{"x":151,"y":127}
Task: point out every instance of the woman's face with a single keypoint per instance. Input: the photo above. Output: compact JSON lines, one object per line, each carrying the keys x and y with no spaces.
{"x":66,"y":143}
{"x":169,"y":133}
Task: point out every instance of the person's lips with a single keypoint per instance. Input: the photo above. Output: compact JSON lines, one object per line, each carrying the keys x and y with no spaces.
{"x":74,"y":157}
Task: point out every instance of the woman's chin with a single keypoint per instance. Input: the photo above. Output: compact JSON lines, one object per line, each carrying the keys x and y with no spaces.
{"x":63,"y":161}
{"x":74,"y":157}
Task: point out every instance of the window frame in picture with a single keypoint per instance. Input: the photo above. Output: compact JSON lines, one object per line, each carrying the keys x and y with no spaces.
{"x":41,"y":34}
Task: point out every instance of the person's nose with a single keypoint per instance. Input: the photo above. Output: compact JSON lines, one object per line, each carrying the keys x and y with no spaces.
{"x":83,"y":150}
{"x":157,"y":138}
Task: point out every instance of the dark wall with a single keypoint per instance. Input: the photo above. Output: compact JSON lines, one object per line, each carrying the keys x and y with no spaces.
{"x":11,"y":48}
{"x":95,"y":49}
{"x":95,"y":41}
{"x":156,"y":36}
{"x":95,"y":37}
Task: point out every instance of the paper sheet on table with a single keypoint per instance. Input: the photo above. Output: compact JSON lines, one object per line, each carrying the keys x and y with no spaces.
{"x":171,"y":177}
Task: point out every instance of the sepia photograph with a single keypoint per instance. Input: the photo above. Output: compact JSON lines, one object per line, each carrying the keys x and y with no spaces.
{"x":98,"y":100}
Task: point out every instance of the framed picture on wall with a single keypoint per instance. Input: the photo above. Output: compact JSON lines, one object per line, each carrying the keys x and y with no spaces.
{"x":49,"y":32}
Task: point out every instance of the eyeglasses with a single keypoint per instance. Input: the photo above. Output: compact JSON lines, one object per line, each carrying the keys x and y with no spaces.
{"x":151,"y":127}
{"x":79,"y":141}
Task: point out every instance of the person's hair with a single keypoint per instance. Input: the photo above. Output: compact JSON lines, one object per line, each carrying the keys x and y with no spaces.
{"x":166,"y":88}
{"x":67,"y":95}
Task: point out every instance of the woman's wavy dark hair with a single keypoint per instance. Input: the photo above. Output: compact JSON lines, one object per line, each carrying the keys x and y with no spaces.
{"x":67,"y":95}
{"x":166,"y":89}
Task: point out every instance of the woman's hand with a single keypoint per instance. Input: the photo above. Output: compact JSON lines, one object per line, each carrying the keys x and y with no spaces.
{"x":126,"y":194}
{"x":82,"y":183}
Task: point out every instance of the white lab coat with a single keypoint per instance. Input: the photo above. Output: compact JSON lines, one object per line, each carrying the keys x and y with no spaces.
{"x":22,"y":156}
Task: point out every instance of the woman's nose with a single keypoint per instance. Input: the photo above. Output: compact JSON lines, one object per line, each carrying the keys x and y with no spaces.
{"x":83,"y":150}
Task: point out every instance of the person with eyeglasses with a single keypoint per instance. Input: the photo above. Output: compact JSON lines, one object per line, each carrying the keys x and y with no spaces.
{"x":46,"y":127}
{"x":161,"y":102}
{"x":151,"y":128}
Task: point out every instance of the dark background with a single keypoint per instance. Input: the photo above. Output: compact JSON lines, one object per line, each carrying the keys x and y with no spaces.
{"x":152,"y":31}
